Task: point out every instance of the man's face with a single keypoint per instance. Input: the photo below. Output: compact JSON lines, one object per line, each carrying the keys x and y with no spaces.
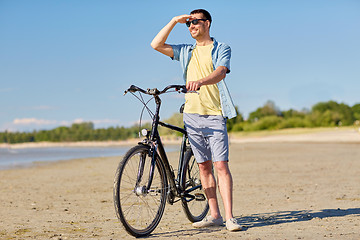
{"x":201,"y":28}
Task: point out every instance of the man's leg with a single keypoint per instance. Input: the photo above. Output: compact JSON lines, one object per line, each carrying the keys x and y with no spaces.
{"x":226,"y":187}
{"x":209,"y":184}
{"x":225,"y":184}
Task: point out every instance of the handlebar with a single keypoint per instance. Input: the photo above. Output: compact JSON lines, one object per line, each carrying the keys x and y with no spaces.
{"x":155,"y":91}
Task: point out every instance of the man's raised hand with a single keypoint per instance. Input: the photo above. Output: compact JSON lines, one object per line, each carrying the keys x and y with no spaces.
{"x":183,"y":18}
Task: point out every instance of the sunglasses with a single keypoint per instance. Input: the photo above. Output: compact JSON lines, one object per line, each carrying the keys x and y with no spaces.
{"x":194,"y":22}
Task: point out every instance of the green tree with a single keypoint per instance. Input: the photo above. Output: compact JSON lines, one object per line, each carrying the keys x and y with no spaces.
{"x":293,"y":113}
{"x":356,"y":111}
{"x":332,"y":113}
{"x":269,"y":109}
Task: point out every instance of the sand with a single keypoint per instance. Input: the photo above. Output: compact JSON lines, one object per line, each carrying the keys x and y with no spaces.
{"x":285,"y":187}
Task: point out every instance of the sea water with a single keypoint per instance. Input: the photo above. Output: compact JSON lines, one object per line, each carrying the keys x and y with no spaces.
{"x":22,"y":157}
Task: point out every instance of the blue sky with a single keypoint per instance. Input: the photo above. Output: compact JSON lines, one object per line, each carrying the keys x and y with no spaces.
{"x":70,"y":61}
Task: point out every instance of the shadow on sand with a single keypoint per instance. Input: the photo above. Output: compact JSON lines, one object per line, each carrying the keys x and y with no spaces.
{"x":265,"y":219}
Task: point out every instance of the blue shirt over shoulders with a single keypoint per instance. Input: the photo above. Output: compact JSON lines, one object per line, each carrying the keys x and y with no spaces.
{"x":221,"y":55}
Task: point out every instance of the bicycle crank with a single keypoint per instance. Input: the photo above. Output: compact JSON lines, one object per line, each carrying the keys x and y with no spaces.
{"x":199,"y":197}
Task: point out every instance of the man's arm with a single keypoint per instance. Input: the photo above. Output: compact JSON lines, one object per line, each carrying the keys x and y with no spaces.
{"x":213,"y":78}
{"x":158,"y":43}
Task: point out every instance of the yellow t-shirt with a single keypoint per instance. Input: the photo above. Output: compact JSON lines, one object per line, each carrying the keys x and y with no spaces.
{"x":207,"y":102}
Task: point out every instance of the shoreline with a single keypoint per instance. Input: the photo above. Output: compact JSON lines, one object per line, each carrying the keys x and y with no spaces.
{"x":342,"y":136}
{"x":27,"y":155}
{"x":67,"y":144}
{"x":289,"y":135}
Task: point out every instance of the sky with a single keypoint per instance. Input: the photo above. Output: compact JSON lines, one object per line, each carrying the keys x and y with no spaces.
{"x":65,"y":62}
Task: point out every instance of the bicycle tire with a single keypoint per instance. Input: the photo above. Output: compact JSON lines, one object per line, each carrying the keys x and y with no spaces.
{"x":195,"y":209}
{"x":138,"y":210}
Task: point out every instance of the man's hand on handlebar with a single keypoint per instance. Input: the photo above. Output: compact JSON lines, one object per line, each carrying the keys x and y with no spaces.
{"x":193,"y":86}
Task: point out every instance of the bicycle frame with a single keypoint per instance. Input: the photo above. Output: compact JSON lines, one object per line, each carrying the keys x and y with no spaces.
{"x":158,"y":147}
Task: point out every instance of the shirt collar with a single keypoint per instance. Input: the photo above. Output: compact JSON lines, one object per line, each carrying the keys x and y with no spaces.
{"x":214,"y":43}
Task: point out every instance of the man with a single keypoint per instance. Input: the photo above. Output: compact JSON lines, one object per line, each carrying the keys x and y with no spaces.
{"x":205,"y":66}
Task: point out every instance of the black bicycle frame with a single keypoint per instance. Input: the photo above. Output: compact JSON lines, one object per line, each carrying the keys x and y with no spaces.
{"x":158,"y":147}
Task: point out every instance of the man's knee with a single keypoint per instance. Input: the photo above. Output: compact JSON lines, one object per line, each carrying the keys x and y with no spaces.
{"x":222,"y":167}
{"x":206,"y":167}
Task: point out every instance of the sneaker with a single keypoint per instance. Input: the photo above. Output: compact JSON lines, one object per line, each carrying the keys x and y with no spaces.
{"x":208,"y":222}
{"x":232,"y":225}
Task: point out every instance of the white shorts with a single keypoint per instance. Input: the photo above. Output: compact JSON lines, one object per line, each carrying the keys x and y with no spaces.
{"x":207,"y":136}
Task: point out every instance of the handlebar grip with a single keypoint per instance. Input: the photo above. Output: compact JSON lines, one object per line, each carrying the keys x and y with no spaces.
{"x":133,"y":89}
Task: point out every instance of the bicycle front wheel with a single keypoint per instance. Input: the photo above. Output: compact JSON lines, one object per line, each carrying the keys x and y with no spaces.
{"x":138,"y":208}
{"x":194,"y":201}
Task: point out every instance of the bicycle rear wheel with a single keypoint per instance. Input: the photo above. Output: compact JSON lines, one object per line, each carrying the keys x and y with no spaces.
{"x":194,"y":203}
{"x":139,"y":209}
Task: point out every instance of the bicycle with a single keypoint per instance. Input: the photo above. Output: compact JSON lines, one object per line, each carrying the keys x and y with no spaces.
{"x":145,"y":180}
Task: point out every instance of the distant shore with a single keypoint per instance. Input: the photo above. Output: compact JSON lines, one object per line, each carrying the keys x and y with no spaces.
{"x":347,"y":134}
{"x":68,"y":144}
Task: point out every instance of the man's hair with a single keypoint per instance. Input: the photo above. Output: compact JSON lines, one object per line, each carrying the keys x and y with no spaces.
{"x":204,"y":12}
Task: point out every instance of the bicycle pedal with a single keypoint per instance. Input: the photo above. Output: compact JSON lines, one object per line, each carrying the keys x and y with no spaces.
{"x":200,"y":197}
{"x":170,"y":198}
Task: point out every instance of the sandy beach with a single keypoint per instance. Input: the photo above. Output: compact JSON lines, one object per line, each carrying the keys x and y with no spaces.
{"x":303,"y":186}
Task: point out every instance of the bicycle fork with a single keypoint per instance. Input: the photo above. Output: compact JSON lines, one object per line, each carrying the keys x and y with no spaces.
{"x":144,"y":190}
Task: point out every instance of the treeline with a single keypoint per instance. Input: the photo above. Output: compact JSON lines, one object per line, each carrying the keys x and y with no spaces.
{"x":267,"y":117}
{"x":77,"y":132}
{"x":323,"y":114}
